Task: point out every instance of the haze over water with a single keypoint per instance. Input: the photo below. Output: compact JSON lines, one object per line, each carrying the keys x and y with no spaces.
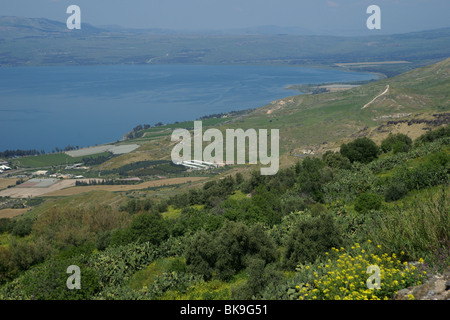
{"x":48,"y":107}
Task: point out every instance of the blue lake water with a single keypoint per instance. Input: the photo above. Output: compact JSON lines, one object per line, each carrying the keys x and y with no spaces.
{"x":48,"y":107}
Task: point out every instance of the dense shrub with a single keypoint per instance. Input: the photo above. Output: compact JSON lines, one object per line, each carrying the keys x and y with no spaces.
{"x":347,"y":184}
{"x":48,"y":281}
{"x":433,"y":135}
{"x":423,"y":150}
{"x":103,"y":240}
{"x":397,"y":143}
{"x":193,"y":219}
{"x":260,"y":275}
{"x":312,"y":173}
{"x":309,"y":239}
{"x":395,"y":191}
{"x":292,"y":202}
{"x":361,"y":150}
{"x":26,"y":254}
{"x":336,"y":160}
{"x":7,"y":268}
{"x":5,"y":225}
{"x":73,"y":226}
{"x":145,"y":227}
{"x":21,"y":227}
{"x":433,"y":171}
{"x":225,"y":252}
{"x":367,"y":202}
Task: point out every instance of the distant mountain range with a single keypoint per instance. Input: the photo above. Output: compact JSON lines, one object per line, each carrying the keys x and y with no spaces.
{"x":40,"y":41}
{"x":22,"y":25}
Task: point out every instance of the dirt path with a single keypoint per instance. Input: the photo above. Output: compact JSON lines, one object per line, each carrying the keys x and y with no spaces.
{"x":380,"y":95}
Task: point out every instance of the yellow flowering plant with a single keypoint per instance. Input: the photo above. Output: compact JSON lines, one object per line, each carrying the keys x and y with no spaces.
{"x":343,"y":275}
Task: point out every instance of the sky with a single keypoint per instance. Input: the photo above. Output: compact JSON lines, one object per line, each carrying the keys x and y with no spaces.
{"x":345,"y":17}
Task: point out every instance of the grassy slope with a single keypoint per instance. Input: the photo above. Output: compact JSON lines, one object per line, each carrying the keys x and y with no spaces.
{"x":330,"y":117}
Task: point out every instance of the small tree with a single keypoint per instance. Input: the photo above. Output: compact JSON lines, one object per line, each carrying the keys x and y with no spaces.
{"x":336,"y":160}
{"x":362,"y":150}
{"x":396,"y":143}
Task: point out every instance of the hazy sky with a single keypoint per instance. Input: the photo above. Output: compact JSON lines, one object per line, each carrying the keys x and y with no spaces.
{"x":346,"y":16}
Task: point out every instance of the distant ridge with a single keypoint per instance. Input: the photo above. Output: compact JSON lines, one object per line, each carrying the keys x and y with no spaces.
{"x":38,"y":26}
{"x":21,"y":24}
{"x":265,"y":45}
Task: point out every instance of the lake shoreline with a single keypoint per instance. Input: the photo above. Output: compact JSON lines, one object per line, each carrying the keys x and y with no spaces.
{"x":217,"y":89}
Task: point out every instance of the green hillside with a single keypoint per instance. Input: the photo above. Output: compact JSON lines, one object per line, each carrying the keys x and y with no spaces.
{"x":307,"y":120}
{"x":415,"y":102}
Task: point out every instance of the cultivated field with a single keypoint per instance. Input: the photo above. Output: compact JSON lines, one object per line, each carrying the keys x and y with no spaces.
{"x":119,"y":149}
{"x":11,"y":213}
{"x":4,"y":183}
{"x":36,"y":191}
{"x":68,"y":188}
{"x":116,"y":188}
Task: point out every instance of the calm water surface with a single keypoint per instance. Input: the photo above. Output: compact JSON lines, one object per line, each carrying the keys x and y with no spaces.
{"x":48,"y":107}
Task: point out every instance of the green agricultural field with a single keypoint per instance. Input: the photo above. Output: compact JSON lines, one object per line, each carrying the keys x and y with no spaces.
{"x":55,"y":159}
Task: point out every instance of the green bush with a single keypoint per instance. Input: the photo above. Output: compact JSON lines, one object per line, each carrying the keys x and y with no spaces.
{"x":145,"y":227}
{"x":336,"y":160}
{"x":292,"y":202}
{"x":397,"y":143}
{"x":367,"y":202}
{"x":26,"y":254}
{"x":48,"y":281}
{"x":361,"y":150}
{"x":7,"y":268}
{"x":260,"y":276}
{"x":5,"y":225}
{"x":309,"y":239}
{"x":312,"y":173}
{"x":224,"y":253}
{"x":434,"y":171}
{"x":395,"y":191}
{"x":193,"y":220}
{"x":103,"y":240}
{"x":433,"y":135}
{"x":21,"y":227}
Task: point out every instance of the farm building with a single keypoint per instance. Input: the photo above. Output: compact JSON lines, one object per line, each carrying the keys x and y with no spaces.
{"x":40,"y":173}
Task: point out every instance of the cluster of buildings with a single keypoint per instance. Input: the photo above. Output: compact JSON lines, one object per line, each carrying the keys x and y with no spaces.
{"x":3,"y":166}
{"x":199,"y":165}
{"x":57,"y":175}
